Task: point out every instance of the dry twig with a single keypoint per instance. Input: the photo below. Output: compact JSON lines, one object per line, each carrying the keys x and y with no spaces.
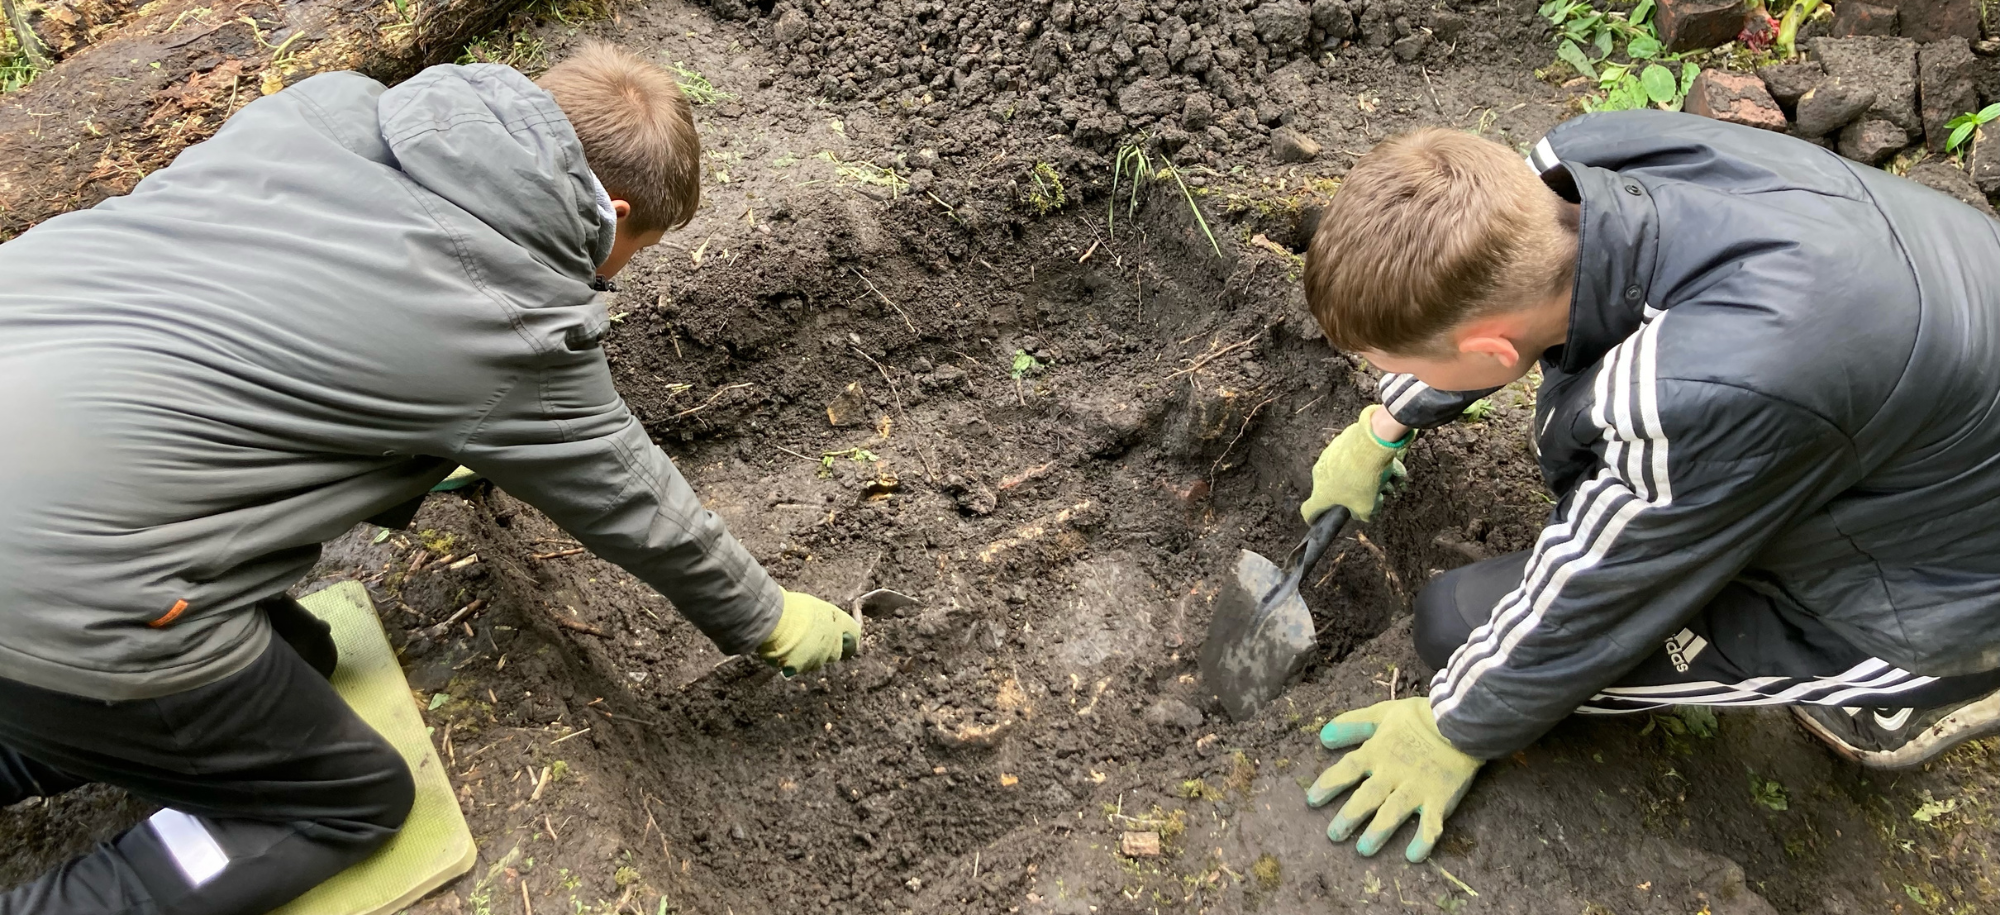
{"x":885,"y":299}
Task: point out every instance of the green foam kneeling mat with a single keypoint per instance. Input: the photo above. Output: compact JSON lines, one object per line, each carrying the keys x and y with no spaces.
{"x":434,"y":846}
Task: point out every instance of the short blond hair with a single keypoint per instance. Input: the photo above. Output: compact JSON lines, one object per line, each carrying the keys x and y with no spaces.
{"x":637,"y":131}
{"x":1429,"y":230}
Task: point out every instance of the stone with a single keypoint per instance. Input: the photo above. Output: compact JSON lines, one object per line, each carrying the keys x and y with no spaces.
{"x":1411,"y":46}
{"x":1871,"y":142}
{"x":791,"y":26}
{"x":1985,"y":159}
{"x":1140,"y":844}
{"x":1334,"y":18}
{"x":848,"y":409}
{"x":1289,"y":146}
{"x":1283,"y":24}
{"x":1887,"y":65}
{"x":1737,"y":98}
{"x":1177,"y":714}
{"x":1947,"y":75}
{"x":1952,"y":181}
{"x":1788,"y":82}
{"x":1856,"y":19}
{"x":1693,"y":25}
{"x":1145,"y":97}
{"x":1935,"y":20}
{"x":1830,"y":106}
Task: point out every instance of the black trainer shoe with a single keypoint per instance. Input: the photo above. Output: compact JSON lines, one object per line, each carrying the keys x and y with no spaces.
{"x":1892,"y":738}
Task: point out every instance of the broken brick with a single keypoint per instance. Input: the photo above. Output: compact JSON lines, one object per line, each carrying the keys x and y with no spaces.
{"x":1854,"y":19}
{"x":1932,"y":20}
{"x":1738,"y":98}
{"x":1691,"y":25}
{"x":1946,"y":86}
{"x":1139,"y":844}
{"x":1870,"y":142}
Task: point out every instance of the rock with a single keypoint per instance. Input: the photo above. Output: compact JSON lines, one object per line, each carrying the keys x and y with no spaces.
{"x":1175,"y":713}
{"x":1952,"y":181}
{"x":1832,"y":105}
{"x":1872,"y":141}
{"x":1140,"y":844}
{"x":1935,"y":20}
{"x":1887,"y":65}
{"x":1738,"y":98}
{"x":1856,"y":19}
{"x":791,"y":26}
{"x":1691,"y":25}
{"x":1985,"y":159}
{"x":1787,"y":82}
{"x":848,"y":409}
{"x":1282,"y":24}
{"x":1411,"y":46}
{"x":1334,"y":18}
{"x":1288,"y":146}
{"x":1946,"y":88}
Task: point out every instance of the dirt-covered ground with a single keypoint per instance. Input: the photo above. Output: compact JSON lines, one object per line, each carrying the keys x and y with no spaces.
{"x":912,"y":341}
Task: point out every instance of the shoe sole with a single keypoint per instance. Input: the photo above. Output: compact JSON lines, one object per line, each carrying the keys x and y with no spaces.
{"x":1973,"y":721}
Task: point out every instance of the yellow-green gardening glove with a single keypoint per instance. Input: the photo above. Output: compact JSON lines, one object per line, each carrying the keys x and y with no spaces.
{"x":1354,"y":470}
{"x":810,"y":633}
{"x":1409,"y":767}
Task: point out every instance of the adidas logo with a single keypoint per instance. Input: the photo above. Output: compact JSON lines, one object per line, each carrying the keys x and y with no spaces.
{"x":1682,"y":648}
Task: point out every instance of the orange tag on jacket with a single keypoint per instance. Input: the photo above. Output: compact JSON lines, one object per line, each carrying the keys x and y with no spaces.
{"x":180,"y":606}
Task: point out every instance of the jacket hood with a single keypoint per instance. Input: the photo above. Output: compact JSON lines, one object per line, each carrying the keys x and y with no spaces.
{"x":488,"y":139}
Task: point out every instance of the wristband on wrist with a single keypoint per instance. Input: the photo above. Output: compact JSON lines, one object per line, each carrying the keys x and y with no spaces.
{"x":1396,"y":445}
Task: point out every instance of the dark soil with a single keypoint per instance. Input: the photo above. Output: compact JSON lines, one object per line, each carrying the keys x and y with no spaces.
{"x":1073,"y":431}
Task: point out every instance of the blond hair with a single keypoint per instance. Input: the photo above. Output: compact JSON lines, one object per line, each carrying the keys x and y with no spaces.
{"x":1431,"y":229}
{"x":637,"y":131}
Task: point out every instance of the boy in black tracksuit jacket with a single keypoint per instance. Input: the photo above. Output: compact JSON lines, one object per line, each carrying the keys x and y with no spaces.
{"x":1770,"y":409}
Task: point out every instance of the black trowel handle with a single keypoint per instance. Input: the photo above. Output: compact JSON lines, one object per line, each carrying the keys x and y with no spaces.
{"x":1325,"y":529}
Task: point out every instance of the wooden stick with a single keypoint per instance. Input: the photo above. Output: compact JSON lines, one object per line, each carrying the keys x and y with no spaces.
{"x":558,"y":554}
{"x":580,"y":626}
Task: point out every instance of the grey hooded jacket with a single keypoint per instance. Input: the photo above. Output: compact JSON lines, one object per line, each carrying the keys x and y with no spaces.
{"x":1782,"y":367}
{"x":304,"y":321}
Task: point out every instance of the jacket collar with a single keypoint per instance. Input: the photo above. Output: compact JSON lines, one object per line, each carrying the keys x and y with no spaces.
{"x":1617,"y":242}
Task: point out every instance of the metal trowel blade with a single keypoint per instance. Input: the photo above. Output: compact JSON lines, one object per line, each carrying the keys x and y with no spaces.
{"x":1258,"y":639}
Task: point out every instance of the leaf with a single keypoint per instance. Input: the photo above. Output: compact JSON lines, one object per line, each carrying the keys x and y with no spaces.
{"x":1573,"y":55}
{"x":1640,"y":12}
{"x":1962,"y":120}
{"x":1658,"y":82}
{"x":1626,"y":96}
{"x":1644,"y":47}
{"x":1604,"y":40}
{"x":1989,"y":113}
{"x":1932,"y":809}
{"x":384,"y":535}
{"x":1688,"y":72}
{"x":438,"y":699}
{"x":1959,"y":135}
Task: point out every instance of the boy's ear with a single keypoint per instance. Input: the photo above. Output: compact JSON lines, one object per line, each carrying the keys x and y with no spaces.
{"x":622,"y":208}
{"x":1486,"y":343}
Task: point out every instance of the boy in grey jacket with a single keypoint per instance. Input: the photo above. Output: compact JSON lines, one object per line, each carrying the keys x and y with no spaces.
{"x":1767,"y":411}
{"x":307,"y":321}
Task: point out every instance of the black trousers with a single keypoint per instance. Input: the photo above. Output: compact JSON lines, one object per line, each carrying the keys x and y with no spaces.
{"x":271,"y":784}
{"x":1750,"y":646}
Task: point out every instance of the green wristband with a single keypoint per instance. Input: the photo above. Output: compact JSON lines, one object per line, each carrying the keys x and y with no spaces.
{"x":1397,"y":445}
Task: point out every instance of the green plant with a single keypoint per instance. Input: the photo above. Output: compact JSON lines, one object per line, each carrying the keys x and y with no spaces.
{"x":696,"y":87}
{"x":21,"y":57}
{"x":1768,"y":793}
{"x":1025,"y":365}
{"x":1046,"y":195}
{"x":1963,"y":125}
{"x":1645,"y":77}
{"x":857,"y":455}
{"x":1188,"y":195}
{"x":1786,"y":44}
{"x":1131,"y":163}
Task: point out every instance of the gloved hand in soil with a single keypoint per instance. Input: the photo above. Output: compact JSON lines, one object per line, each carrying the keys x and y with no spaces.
{"x":810,"y":633}
{"x":1355,"y":469}
{"x":1409,"y":767}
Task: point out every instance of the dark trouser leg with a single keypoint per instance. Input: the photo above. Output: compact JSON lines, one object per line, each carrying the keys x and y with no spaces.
{"x":272,"y":785}
{"x":1750,"y":646}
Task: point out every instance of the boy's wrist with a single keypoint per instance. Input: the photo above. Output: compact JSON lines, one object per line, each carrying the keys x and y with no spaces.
{"x":1386,"y":430}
